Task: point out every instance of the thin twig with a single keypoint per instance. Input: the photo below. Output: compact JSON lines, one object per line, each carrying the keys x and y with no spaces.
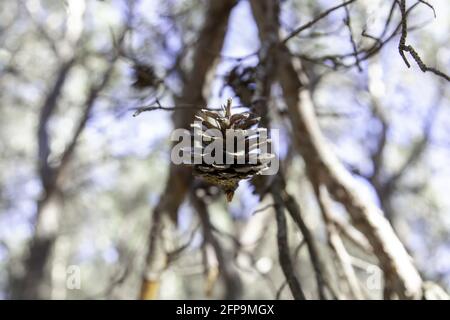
{"x":403,"y":47}
{"x":347,"y":22}
{"x":158,"y":106}
{"x":316,"y":19}
{"x":262,"y":209}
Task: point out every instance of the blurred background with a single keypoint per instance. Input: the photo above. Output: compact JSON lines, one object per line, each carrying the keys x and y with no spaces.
{"x":80,"y":177}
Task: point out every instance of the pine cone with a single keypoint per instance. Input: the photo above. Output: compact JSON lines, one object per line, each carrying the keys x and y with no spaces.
{"x":242,"y":81}
{"x":144,"y":77}
{"x":244,"y":163}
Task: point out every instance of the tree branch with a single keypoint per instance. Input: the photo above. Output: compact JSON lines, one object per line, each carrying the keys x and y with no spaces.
{"x":324,"y":167}
{"x":233,"y":286}
{"x":403,"y":47}
{"x":283,"y":248}
{"x":315,"y":20}
{"x":211,"y":36}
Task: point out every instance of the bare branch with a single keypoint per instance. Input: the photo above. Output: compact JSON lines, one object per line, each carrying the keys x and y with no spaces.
{"x":284,"y":284}
{"x":294,"y":211}
{"x":315,"y":20}
{"x":348,"y":23}
{"x":403,"y":47}
{"x":231,"y":279}
{"x":211,"y":35}
{"x":47,"y":110}
{"x":364,"y":53}
{"x":353,"y":235}
{"x":283,"y":248}
{"x":336,"y":243}
{"x":323,"y":166}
